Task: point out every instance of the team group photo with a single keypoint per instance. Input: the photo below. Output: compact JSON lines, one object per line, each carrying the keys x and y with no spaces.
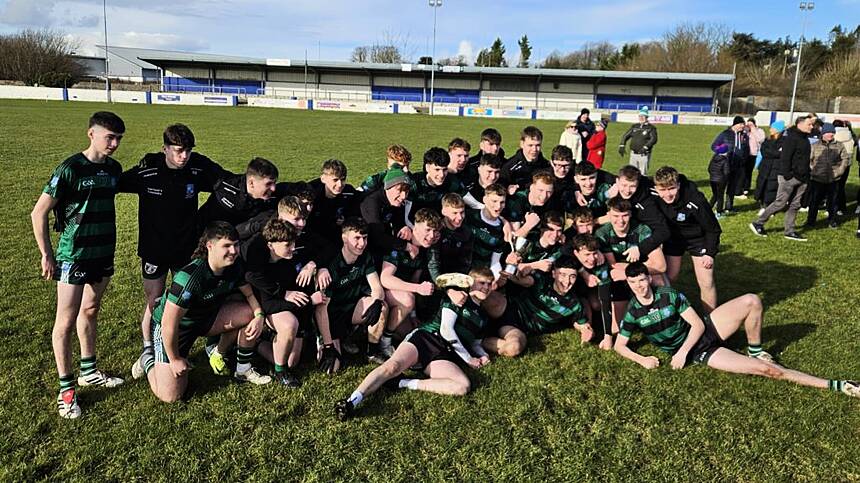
{"x":470,"y":267}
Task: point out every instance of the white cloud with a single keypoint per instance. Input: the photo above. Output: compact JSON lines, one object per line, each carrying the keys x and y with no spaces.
{"x":27,"y":13}
{"x":467,"y":51}
{"x":160,"y":41}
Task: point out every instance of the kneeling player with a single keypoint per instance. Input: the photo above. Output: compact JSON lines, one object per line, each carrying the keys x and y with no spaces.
{"x":453,"y":334}
{"x":666,"y":319}
{"x":195,"y":305}
{"x":273,"y":273}
{"x":547,"y":305}
{"x":355,"y":296}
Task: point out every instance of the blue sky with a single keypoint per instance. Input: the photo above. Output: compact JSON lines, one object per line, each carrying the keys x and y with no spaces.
{"x":329,"y":29}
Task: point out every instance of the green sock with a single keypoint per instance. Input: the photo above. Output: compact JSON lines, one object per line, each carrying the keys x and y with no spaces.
{"x":279,"y":369}
{"x":67,"y":382}
{"x":88,"y":365}
{"x":835,"y":385}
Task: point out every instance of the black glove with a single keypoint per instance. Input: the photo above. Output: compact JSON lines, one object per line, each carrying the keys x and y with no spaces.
{"x":621,"y":150}
{"x":371,"y":315}
{"x":329,"y":356}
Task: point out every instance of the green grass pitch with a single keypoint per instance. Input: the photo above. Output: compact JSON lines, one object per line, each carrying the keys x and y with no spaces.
{"x":559,"y":412}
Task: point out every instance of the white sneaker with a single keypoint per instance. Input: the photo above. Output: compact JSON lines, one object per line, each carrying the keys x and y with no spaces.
{"x":804,"y":209}
{"x":99,"y":378}
{"x":857,"y":210}
{"x":851,"y":388}
{"x":67,"y":404}
{"x":763,"y":356}
{"x":252,"y":376}
{"x":761,"y":212}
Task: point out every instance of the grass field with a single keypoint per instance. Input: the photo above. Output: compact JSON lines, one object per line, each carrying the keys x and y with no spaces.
{"x":559,"y":412}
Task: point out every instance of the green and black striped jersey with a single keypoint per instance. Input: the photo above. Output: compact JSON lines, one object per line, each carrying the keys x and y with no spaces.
{"x":542,"y":309}
{"x":660,"y":321}
{"x":199,"y":291}
{"x":85,"y":213}
{"x":534,"y":252}
{"x":488,"y":239}
{"x":471,"y":323}
{"x":407,"y":266}
{"x":610,"y":242}
{"x":349,"y":280}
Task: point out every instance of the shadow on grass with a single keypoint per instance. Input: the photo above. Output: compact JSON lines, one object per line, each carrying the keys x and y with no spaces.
{"x":775,"y":338}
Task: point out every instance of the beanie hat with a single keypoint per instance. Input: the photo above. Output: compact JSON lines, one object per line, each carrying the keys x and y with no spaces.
{"x":778,"y":125}
{"x":584,"y":111}
{"x":738,"y":120}
{"x":603,"y":123}
{"x":394,"y":177}
{"x":643,"y":111}
{"x":828,"y":128}
{"x":721,"y":148}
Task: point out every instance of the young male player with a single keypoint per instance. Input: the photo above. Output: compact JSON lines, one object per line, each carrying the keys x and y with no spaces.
{"x":592,"y":192}
{"x":401,"y":275}
{"x":453,"y":252}
{"x":396,"y":155}
{"x":453,"y":335}
{"x":491,"y":143}
{"x":517,"y":171}
{"x":355,"y":295}
{"x":167,"y":184}
{"x":385,"y":214}
{"x":335,"y":200}
{"x":525,"y":208}
{"x":81,"y":193}
{"x":273,"y":274}
{"x":693,"y":228}
{"x":458,"y":151}
{"x":238,"y":198}
{"x":488,"y":230}
{"x":666,"y":319}
{"x":548,"y":304}
{"x":544,"y":244}
{"x":197,"y":304}
{"x":632,"y":186}
{"x":430,"y":185}
{"x":596,"y":285}
{"x":488,"y":172}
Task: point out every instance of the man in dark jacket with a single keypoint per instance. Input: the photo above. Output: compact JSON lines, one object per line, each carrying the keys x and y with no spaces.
{"x":585,"y":127}
{"x":693,"y":228}
{"x":793,"y":178}
{"x":739,"y":151}
{"x":518,"y":170}
{"x":642,"y":137}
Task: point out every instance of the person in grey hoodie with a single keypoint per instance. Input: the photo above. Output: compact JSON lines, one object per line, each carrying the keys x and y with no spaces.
{"x":828,"y":161}
{"x":846,"y":137}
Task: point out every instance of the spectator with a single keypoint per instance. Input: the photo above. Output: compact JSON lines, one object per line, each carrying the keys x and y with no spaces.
{"x":643,"y":137}
{"x":756,"y":138}
{"x":571,"y":138}
{"x":739,"y":150}
{"x":828,"y":161}
{"x":846,"y":137}
{"x":718,"y":172}
{"x":585,"y":127}
{"x":766,"y":184}
{"x":596,"y":144}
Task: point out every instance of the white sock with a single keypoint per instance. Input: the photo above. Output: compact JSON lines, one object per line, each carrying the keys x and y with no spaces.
{"x":408,"y":384}
{"x":356,"y":398}
{"x":243,"y":368}
{"x":147,"y":344}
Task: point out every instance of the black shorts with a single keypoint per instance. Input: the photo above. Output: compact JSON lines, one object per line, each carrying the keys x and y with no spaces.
{"x":84,"y":272}
{"x":676,"y":246}
{"x":431,"y":347}
{"x":511,"y":318}
{"x":187,"y":336}
{"x":707,"y":344}
{"x":153,"y":271}
{"x":305,"y":318}
{"x":340,"y":320}
{"x":619,"y":291}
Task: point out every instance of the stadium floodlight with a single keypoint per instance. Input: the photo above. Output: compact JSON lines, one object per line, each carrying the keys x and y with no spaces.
{"x":107,"y":64}
{"x":434,"y":4}
{"x":804,"y":7}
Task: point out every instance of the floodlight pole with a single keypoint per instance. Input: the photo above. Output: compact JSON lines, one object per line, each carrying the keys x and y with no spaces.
{"x":107,"y":62}
{"x":434,"y":4}
{"x":804,"y":7}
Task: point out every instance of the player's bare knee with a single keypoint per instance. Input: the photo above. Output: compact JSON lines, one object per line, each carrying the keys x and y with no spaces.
{"x":753,"y":302}
{"x":392,"y":368}
{"x":461,"y":387}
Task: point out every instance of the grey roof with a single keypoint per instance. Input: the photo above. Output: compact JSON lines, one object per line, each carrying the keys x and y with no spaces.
{"x":163,"y":57}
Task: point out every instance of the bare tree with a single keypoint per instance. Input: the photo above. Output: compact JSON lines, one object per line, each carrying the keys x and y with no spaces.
{"x":688,"y":47}
{"x":39,"y":57}
{"x":393,"y":48}
{"x":360,"y":54}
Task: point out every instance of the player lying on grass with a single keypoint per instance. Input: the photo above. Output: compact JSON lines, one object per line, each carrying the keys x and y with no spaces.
{"x":273,"y":274}
{"x":81,"y":194}
{"x":355,"y":297}
{"x":200,"y":302}
{"x":666,"y":319}
{"x":547,"y":304}
{"x":439,"y":346}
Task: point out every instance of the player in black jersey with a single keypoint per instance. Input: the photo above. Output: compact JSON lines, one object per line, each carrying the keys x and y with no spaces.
{"x":632,"y":186}
{"x":238,"y":198}
{"x":385,"y":214}
{"x":488,"y":170}
{"x":666,"y":319}
{"x":431,"y":184}
{"x":167,"y":184}
{"x":272,"y":272}
{"x":490,"y":143}
{"x":335,"y":200}
{"x":693,"y":228}
{"x":518,"y":169}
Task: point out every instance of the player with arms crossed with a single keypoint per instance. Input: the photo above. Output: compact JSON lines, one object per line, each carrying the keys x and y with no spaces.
{"x":81,"y":193}
{"x":666,"y":319}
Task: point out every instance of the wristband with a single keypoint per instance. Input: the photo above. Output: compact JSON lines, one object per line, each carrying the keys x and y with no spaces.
{"x":259,"y":313}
